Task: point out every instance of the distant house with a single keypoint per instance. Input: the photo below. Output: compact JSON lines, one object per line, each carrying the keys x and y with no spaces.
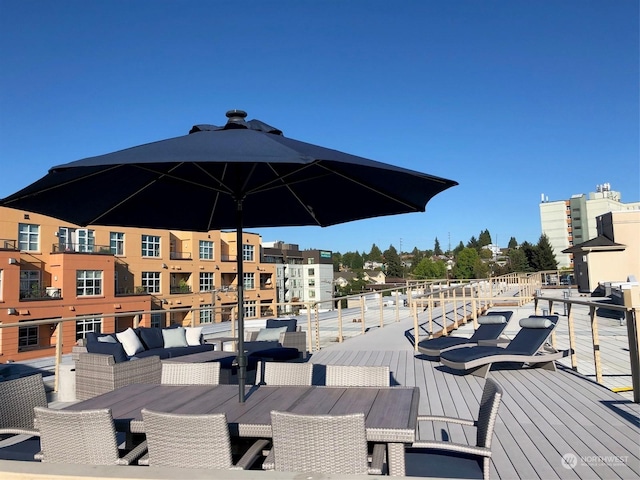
{"x":375,"y":276}
{"x":612,"y":256}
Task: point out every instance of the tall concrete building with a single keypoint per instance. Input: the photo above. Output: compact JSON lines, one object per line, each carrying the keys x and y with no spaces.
{"x":301,"y":275}
{"x":571,"y":222}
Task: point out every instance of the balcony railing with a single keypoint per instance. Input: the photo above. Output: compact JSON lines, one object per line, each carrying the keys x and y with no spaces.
{"x":81,"y":248}
{"x":8,"y":244}
{"x":180,"y":255}
{"x":180,"y":289}
{"x":47,"y":293}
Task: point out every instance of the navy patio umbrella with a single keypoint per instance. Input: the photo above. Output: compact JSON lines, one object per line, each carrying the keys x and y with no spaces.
{"x":244,"y":174}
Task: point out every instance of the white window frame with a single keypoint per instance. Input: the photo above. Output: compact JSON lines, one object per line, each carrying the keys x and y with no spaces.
{"x":157,"y":319}
{"x":28,"y":280}
{"x":116,"y":243}
{"x":207,"y":282}
{"x":85,"y":240}
{"x":150,"y":245}
{"x":32,"y":333}
{"x":249,"y":281}
{"x":248,"y":253}
{"x":88,"y":283}
{"x":29,"y":237}
{"x":250,"y":309}
{"x":206,"y":313}
{"x":150,"y":281}
{"x":206,"y":250}
{"x":86,"y":325}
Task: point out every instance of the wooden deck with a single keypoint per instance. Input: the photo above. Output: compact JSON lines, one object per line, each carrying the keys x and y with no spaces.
{"x":545,"y":416}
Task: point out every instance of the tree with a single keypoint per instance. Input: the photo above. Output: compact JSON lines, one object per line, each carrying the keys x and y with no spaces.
{"x":473,"y":243}
{"x":393,"y":262}
{"x":336,"y":257}
{"x":480,"y":268}
{"x":512,"y":243}
{"x":531,"y":255}
{"x":484,"y":239}
{"x":416,"y":257}
{"x":465,"y":263}
{"x":427,"y":268}
{"x":436,"y":249}
{"x":458,"y":249}
{"x":375,"y":254}
{"x":546,"y":256}
{"x":517,"y":260}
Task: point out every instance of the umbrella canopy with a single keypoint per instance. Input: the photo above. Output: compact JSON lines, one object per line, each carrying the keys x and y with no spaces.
{"x":245,"y":173}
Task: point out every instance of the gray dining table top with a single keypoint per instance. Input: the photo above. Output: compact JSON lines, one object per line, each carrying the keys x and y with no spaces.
{"x":390,"y":412}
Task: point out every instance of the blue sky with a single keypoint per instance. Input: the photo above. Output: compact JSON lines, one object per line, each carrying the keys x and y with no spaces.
{"x":510,"y":98}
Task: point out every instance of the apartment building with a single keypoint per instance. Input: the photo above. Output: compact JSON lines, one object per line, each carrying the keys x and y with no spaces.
{"x":301,"y":275}
{"x":571,"y":222}
{"x":108,"y":276}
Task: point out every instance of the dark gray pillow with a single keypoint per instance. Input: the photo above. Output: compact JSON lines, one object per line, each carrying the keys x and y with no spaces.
{"x":151,"y":337}
{"x":290,"y":323}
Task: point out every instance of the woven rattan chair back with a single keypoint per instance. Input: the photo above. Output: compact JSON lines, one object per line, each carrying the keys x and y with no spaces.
{"x":282,"y":373}
{"x":489,"y":405}
{"x":18,"y":398}
{"x":357,"y":376}
{"x":188,"y":441}
{"x":330,"y":444}
{"x":77,"y":437}
{"x":190,"y":373}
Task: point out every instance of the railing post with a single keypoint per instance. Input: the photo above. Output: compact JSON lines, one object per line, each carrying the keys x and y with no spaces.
{"x":397,"y":302}
{"x":631,"y":298}
{"x":310,"y":330}
{"x":443,"y":314}
{"x":572,"y":338}
{"x":455,"y":310}
{"x":317,"y":315}
{"x":416,"y":329}
{"x":596,"y":343}
{"x":340,"y":338}
{"x":430,"y":316}
{"x":56,"y":384}
{"x":362,"y":310}
{"x":381,"y":310}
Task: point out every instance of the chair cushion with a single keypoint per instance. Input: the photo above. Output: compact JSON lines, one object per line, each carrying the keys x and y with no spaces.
{"x":290,"y":323}
{"x":193,"y":335}
{"x":536,"y":322}
{"x":270,"y":334}
{"x":114,"y":349}
{"x":174,"y":337}
{"x":151,"y":337}
{"x":130,"y":341}
{"x":491,"y":319}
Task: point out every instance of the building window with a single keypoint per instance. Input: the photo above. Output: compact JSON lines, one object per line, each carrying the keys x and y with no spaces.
{"x":206,"y":250}
{"x":157,"y":320}
{"x":247,"y":253}
{"x":206,"y":314}
{"x":250,"y":308}
{"x":87,"y":325}
{"x":206,"y":281}
{"x":311,"y":271}
{"x":150,"y":246}
{"x":312,"y":282}
{"x":151,"y":282}
{"x":86,"y":241}
{"x":28,"y":237}
{"x":116,"y":243}
{"x":88,"y":282}
{"x":1,"y":291}
{"x":249,"y":281}
{"x":27,"y":337}
{"x":29,"y":283}
{"x":312,"y":294}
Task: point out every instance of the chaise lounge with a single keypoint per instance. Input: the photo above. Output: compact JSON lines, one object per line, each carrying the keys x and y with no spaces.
{"x":527,"y":347}
{"x":492,"y":324}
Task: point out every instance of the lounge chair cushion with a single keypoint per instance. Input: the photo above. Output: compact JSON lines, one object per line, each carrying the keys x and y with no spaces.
{"x":290,"y":323}
{"x":193,"y":335}
{"x":130,"y":341}
{"x":492,"y":320}
{"x":536,"y":322}
{"x":270,"y":334}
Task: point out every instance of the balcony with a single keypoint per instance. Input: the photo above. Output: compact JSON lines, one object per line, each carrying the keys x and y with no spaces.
{"x":8,"y":244}
{"x":37,"y":293}
{"x":81,"y":248}
{"x":180,"y":255}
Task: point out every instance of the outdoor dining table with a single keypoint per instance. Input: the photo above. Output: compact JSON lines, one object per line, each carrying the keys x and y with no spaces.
{"x":390,"y":412}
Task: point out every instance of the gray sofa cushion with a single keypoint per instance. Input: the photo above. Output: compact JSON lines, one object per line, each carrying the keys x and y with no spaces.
{"x":290,"y":323}
{"x":115,"y":349}
{"x":151,"y":337}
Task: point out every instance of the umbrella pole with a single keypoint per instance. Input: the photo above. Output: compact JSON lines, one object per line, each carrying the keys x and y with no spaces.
{"x":242,"y":358}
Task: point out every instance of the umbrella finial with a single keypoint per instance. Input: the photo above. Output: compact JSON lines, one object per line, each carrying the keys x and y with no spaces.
{"x":236,"y":119}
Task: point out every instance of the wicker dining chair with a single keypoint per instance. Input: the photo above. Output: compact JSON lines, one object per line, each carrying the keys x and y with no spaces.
{"x":18,"y":398}
{"x":440,"y":458}
{"x":193,"y":441}
{"x":357,"y":376}
{"x":329,"y":444}
{"x":190,"y":373}
{"x":81,"y":437}
{"x":283,"y":373}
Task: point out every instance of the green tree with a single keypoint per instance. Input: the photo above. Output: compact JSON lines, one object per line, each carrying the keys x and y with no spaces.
{"x":481,"y":269}
{"x":546,"y":256}
{"x":473,"y":243}
{"x":531,"y":254}
{"x":416,"y":257}
{"x":393,"y":262}
{"x":436,"y":248}
{"x":458,"y":249}
{"x":336,"y":257}
{"x":427,"y":268}
{"x":512,"y":243}
{"x":484,"y":239}
{"x":517,"y":260}
{"x":465,"y":263}
{"x":375,"y":254}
